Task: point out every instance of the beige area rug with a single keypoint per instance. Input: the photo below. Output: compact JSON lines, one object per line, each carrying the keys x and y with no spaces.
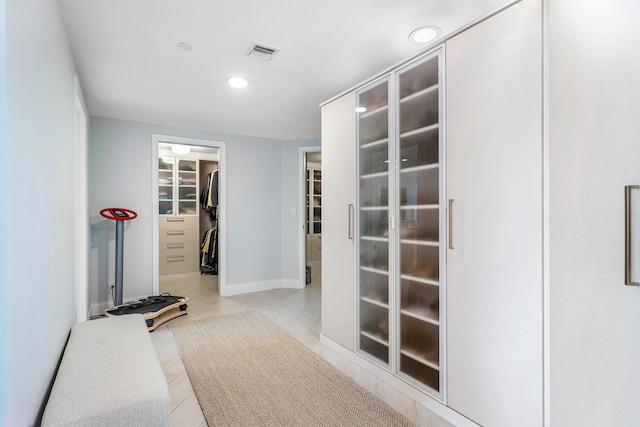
{"x":247,"y":371}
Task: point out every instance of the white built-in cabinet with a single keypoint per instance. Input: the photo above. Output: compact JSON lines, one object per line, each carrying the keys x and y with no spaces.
{"x":432,"y":221}
{"x":494,"y":179}
{"x":338,"y":221}
{"x":178,"y":206}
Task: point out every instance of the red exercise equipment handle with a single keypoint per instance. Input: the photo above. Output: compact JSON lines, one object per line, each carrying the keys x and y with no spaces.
{"x":118,"y":214}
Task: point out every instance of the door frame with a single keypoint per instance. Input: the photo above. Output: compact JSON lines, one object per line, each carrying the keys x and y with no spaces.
{"x":222,"y":207}
{"x":302,"y":204}
{"x":81,"y":203}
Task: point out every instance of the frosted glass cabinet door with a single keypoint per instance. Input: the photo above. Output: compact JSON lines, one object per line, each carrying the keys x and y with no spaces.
{"x":419,"y":223}
{"x":373,"y":220}
{"x":187,"y":187}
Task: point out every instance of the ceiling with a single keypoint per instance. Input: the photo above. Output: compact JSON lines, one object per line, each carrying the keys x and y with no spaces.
{"x":131,"y":67}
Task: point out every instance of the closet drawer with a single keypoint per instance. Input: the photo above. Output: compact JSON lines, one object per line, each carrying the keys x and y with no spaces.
{"x":176,"y":264}
{"x":177,"y":222}
{"x":179,"y":248}
{"x":177,"y":236}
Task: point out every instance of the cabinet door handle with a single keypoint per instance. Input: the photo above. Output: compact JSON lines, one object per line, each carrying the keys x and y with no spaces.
{"x":176,"y":219}
{"x":450,"y":213}
{"x":627,"y":235}
{"x":350,"y":219}
{"x":175,"y":245}
{"x":175,"y":233}
{"x":175,"y":259}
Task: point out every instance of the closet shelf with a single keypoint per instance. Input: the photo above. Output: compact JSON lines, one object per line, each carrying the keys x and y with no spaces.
{"x":420,"y":130}
{"x":375,"y":337}
{"x":413,"y":354}
{"x":419,"y":93}
{"x":374,"y":302}
{"x":422,"y":313}
{"x":374,"y":143}
{"x":378,"y":110}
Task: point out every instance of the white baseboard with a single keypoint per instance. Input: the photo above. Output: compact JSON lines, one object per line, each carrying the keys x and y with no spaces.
{"x":231,"y":290}
{"x":425,"y":400}
{"x":267,"y":285}
{"x":98,"y":308}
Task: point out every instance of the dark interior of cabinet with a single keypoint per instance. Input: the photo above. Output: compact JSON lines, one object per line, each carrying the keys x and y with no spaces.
{"x":421,"y":261}
{"x":419,"y":112}
{"x":420,"y":338}
{"x":374,"y":126}
{"x":420,"y":224}
{"x":374,"y":223}
{"x":374,"y":159}
{"x":419,"y":149}
{"x":374,"y":348}
{"x":374,"y":254}
{"x":419,"y":187}
{"x":419,"y":77}
{"x":374,"y":320}
{"x":424,"y":374}
{"x":375,"y":97}
{"x":374,"y":191}
{"x":374,"y":286}
{"x":421,"y":299}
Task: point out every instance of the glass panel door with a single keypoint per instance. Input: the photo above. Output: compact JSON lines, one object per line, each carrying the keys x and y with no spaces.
{"x":373,"y":220}
{"x":187,"y":187}
{"x":419,"y":223}
{"x":165,"y":185}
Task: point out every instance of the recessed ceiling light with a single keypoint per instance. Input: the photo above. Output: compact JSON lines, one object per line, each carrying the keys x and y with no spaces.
{"x":238,"y":82}
{"x":180,"y":149}
{"x":424,"y":34}
{"x":185,"y":46}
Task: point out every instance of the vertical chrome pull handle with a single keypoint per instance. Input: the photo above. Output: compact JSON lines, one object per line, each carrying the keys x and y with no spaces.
{"x":350,"y":235}
{"x":450,"y":213}
{"x":627,"y":235}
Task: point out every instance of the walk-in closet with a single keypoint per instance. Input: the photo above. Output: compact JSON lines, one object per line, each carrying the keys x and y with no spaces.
{"x":188,"y":209}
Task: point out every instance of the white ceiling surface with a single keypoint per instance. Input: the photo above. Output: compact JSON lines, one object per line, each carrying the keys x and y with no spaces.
{"x":131,"y":67}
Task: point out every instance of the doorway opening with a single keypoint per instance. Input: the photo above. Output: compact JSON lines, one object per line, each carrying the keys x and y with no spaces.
{"x":189,"y":213}
{"x":311,"y":205}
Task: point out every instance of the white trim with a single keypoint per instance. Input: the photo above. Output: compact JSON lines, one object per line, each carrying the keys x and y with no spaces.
{"x":302,"y":204}
{"x":81,"y":203}
{"x":430,"y":48}
{"x":266,"y":285}
{"x":222,"y":206}
{"x":546,"y":231}
{"x":388,"y":378}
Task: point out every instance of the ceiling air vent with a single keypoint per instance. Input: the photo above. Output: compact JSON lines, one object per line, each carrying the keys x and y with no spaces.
{"x":262,"y":51}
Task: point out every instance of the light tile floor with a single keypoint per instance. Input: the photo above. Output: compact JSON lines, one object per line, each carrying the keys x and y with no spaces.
{"x":296,"y":311}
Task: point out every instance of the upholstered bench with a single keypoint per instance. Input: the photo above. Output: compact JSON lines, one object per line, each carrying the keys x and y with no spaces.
{"x":110,"y":375}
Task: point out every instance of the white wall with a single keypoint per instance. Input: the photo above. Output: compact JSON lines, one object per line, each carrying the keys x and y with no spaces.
{"x":261,"y":186}
{"x":38,"y":166}
{"x":595,"y":151}
{"x":3,"y":91}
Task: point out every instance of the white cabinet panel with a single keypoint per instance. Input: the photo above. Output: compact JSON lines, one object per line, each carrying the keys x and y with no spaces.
{"x":338,"y":250}
{"x":494,"y":176}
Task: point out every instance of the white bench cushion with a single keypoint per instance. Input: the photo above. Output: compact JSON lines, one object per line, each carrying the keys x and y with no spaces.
{"x":110,"y":375}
